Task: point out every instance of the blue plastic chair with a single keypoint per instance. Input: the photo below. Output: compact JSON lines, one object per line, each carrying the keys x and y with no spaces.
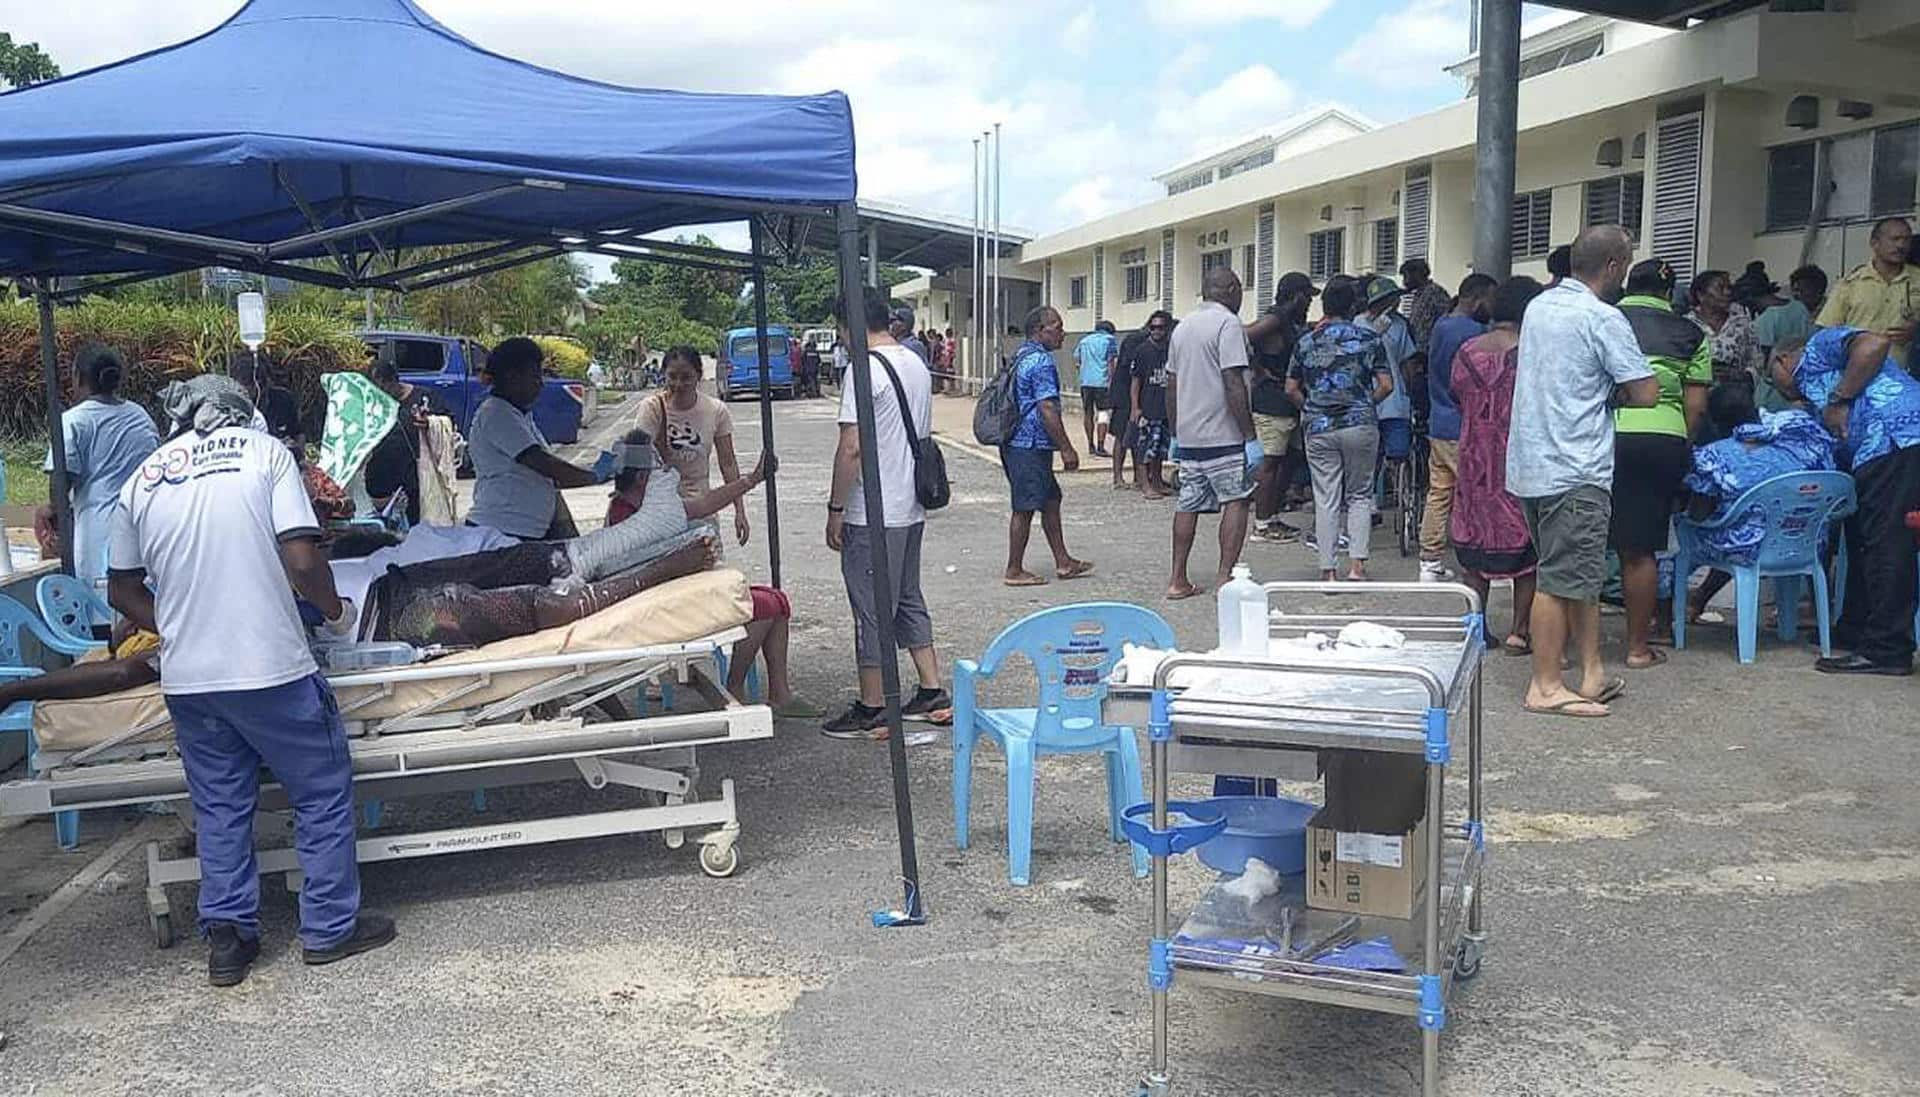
{"x":1797,"y":509}
{"x":14,"y":619}
{"x":72,"y":610}
{"x":1072,"y":649}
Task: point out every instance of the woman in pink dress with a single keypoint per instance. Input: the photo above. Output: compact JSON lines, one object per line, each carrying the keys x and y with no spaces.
{"x":1489,"y":531}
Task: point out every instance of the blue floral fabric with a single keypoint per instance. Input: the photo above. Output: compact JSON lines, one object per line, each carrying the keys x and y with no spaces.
{"x":1886,"y":414}
{"x":1036,"y":379}
{"x":1336,"y":364}
{"x":1780,"y":443}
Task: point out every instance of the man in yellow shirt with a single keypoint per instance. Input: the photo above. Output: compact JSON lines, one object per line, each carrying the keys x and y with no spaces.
{"x":1882,"y":296}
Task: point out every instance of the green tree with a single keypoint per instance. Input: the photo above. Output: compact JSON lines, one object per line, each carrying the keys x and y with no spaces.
{"x":22,"y":63}
{"x":804,"y":293}
{"x":660,"y":305}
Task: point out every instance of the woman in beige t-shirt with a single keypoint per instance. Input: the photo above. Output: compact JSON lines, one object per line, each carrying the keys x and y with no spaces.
{"x":690,"y":428}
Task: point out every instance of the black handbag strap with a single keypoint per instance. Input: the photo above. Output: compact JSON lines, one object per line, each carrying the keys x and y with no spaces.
{"x":906,"y":412}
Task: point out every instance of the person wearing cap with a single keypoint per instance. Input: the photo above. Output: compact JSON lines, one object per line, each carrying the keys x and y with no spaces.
{"x":1397,"y":339}
{"x":1276,"y":419}
{"x":900,"y":326}
{"x":1651,"y":455}
{"x":518,"y":478}
{"x":1883,"y":294}
{"x":213,"y":539}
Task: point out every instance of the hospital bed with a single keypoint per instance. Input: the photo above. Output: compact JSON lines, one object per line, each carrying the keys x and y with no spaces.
{"x":564,"y":704}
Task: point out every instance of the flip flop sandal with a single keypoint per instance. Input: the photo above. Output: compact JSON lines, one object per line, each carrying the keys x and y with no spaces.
{"x":1508,"y":647}
{"x":1656,"y":658}
{"x":1565,"y":708}
{"x":1080,"y":570}
{"x":1029,"y":581}
{"x":1190,"y":592}
{"x":1615,"y":689}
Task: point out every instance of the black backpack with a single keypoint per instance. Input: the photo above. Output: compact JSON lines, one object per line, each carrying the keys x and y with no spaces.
{"x":930,"y":484}
{"x":996,"y":414}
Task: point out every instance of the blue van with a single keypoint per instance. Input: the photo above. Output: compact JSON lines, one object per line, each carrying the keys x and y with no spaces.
{"x":739,"y":367}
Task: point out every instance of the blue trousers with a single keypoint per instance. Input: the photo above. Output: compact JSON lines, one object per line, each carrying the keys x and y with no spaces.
{"x":295,"y":731}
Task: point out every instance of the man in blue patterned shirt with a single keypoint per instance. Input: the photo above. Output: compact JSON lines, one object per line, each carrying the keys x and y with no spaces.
{"x":1872,"y":407}
{"x":1027,"y":458}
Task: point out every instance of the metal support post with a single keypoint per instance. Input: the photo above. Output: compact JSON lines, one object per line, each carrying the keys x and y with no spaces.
{"x":1499,"y":116}
{"x":999,"y":305}
{"x":766,"y":396}
{"x":56,"y":431}
{"x":859,"y":372}
{"x":974,"y":243}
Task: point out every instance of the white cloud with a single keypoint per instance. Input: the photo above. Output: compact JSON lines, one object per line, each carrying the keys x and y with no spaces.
{"x":1412,"y":45}
{"x":1077,"y":36}
{"x":1247,"y":101}
{"x":1195,"y":13}
{"x":1089,"y":199}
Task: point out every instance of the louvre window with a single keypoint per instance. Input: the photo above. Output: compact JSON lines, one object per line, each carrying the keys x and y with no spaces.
{"x":1532,"y":224}
{"x":1386,"y":243}
{"x":1077,"y":292}
{"x":1616,"y":201}
{"x":1324,"y":253}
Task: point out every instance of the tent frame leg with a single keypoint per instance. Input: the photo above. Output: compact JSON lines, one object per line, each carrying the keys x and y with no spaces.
{"x":859,"y":372}
{"x":766,"y":394}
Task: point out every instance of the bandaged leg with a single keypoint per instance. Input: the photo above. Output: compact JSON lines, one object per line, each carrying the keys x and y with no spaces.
{"x":628,"y":545}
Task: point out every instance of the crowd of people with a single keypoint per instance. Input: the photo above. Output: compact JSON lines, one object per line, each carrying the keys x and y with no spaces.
{"x":1562,"y":427}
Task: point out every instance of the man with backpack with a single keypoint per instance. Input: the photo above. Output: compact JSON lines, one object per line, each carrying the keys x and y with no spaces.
{"x":904,"y":387}
{"x":1027,"y":456}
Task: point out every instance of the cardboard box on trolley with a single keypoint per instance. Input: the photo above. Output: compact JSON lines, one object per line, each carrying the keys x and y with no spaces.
{"x":1367,"y":848}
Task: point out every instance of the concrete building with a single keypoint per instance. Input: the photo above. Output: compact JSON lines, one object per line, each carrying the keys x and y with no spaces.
{"x":1709,"y":143}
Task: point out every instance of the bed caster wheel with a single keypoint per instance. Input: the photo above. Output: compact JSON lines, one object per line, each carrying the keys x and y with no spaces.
{"x":1466,"y":965}
{"x":674,"y":838}
{"x":719,"y":862}
{"x":162,"y":930}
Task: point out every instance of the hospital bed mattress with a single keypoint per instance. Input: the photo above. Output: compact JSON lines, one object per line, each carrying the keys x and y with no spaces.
{"x":683,"y":610}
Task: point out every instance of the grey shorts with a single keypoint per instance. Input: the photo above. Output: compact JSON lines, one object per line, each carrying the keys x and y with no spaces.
{"x":1206,"y":486}
{"x":1570,"y":535}
{"x":912,"y":626}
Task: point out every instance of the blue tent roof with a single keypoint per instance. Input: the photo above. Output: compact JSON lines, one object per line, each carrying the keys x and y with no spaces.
{"x":357,"y":109}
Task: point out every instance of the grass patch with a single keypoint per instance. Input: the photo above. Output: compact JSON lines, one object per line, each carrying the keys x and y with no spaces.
{"x":611,"y":396}
{"x":26,"y":484}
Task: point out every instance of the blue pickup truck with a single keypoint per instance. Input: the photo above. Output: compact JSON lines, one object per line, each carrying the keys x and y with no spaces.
{"x":453,"y":369}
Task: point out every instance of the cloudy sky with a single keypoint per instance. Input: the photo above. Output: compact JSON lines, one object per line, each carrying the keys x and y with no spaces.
{"x":1096,"y":96}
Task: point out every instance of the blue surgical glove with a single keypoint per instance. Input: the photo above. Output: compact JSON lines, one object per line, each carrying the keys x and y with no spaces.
{"x":603,"y":468}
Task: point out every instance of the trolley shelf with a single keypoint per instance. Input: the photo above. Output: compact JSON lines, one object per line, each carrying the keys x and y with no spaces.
{"x":1224,"y":942}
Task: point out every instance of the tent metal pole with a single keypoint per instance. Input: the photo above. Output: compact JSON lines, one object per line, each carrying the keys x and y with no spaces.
{"x":56,"y":430}
{"x":974,"y":242}
{"x":766,"y":396}
{"x":860,"y":372}
{"x":388,"y":220}
{"x":1498,"y":121}
{"x":485,"y":268}
{"x":118,"y":231}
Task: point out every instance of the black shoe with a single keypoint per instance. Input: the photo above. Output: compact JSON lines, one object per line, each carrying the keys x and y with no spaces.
{"x":929,"y":706}
{"x":858,"y":722}
{"x":229,"y":955}
{"x":370,"y":931}
{"x":1860,"y":664}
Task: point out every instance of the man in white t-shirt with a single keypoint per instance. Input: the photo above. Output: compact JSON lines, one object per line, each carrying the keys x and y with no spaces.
{"x":517,"y":478}
{"x":850,"y":528}
{"x":217,"y":522}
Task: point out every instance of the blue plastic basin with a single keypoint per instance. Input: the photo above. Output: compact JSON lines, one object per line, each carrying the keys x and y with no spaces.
{"x":1270,"y":828}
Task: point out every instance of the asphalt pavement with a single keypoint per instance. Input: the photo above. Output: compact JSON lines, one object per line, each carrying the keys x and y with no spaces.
{"x":1710,"y":893}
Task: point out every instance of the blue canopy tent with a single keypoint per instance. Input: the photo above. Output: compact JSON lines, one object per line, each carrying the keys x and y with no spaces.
{"x":317,"y":140}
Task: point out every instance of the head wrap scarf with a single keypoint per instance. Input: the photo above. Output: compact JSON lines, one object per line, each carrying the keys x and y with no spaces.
{"x":206,"y":403}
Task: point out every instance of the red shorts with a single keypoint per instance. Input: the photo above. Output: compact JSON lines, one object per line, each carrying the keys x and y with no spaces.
{"x":770,"y":604}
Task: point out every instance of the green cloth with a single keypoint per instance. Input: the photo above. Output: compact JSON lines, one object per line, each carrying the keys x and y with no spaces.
{"x":359,"y":415}
{"x":1781,"y":323}
{"x":1669,"y":416}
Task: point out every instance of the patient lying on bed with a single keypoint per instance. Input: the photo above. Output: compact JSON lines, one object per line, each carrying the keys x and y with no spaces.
{"x":478,"y":598}
{"x":131,"y":659}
